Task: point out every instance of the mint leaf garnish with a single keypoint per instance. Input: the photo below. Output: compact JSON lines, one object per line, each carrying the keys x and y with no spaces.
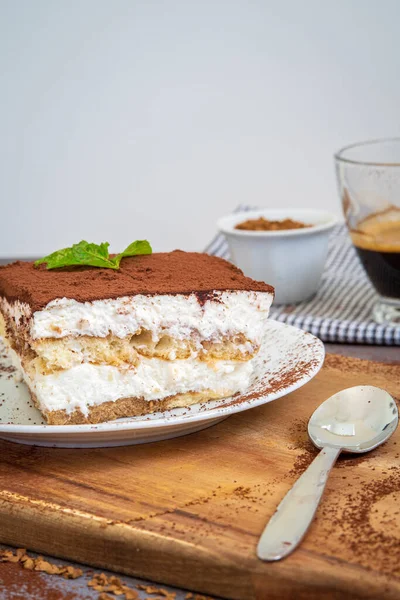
{"x":138,"y":247}
{"x":92,"y":255}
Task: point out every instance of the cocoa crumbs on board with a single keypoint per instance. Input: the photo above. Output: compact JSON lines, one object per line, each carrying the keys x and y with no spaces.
{"x":39,"y":564}
{"x":111,"y":584}
{"x":151,"y":589}
{"x":108,"y":586}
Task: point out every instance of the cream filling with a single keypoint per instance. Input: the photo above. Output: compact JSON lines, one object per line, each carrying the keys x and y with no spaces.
{"x":153,"y":379}
{"x":176,"y":315}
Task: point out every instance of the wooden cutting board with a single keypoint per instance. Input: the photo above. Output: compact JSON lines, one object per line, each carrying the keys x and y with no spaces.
{"x":189,"y":511}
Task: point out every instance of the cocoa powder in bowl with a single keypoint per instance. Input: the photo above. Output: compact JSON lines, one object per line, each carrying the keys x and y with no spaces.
{"x":262,"y":224}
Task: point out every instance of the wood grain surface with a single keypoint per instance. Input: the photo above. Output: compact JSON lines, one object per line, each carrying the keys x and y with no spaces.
{"x":188,"y":512}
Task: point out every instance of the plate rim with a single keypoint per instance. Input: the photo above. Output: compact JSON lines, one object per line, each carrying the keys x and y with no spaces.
{"x":161,"y":422}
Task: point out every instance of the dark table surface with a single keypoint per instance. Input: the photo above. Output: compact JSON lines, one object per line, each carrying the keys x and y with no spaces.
{"x":35,"y":585}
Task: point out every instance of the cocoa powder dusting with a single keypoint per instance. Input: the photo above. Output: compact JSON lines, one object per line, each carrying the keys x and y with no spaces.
{"x":24,"y":584}
{"x":364,"y":519}
{"x":357,"y":365}
{"x":368,"y":521}
{"x":285,"y":379}
{"x":175,"y":272}
{"x":6,"y":368}
{"x":308,"y":452}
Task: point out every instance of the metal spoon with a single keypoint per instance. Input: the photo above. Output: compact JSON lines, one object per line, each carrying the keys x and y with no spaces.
{"x":354,"y":420}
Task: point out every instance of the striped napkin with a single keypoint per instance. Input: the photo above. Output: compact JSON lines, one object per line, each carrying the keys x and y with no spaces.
{"x":341,"y":311}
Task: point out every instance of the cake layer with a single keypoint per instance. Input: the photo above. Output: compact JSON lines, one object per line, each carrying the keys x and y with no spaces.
{"x":179,"y":316}
{"x":48,"y":355}
{"x":154,"y":274}
{"x":126,"y":407}
{"x":89,"y":385}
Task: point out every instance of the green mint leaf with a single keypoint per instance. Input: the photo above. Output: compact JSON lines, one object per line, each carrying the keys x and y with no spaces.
{"x":138,"y":247}
{"x":84,"y":253}
{"x":92,"y":255}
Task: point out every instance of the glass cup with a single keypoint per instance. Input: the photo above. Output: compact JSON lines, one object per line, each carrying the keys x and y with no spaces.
{"x":369,"y":185}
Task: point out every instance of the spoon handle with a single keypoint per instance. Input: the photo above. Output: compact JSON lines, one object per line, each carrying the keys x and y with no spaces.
{"x":292,"y":518}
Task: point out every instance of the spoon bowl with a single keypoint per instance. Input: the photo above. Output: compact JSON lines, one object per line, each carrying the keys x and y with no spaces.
{"x":357,"y":419}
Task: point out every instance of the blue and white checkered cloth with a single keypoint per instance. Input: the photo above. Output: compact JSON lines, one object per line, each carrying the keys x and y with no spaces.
{"x":341,"y":311}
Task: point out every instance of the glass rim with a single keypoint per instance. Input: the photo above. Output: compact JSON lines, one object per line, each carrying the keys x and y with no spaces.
{"x":338,"y":156}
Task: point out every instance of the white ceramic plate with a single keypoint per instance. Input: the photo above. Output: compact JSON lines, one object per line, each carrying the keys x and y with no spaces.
{"x":287,"y":360}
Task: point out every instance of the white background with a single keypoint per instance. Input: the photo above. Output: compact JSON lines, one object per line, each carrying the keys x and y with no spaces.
{"x":125,"y":119}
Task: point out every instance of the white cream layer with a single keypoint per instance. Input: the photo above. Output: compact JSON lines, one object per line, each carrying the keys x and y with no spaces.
{"x":153,"y":379}
{"x":177,"y":315}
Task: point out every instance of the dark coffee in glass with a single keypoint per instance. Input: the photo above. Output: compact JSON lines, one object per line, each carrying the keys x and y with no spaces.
{"x":377,"y":242}
{"x":369,"y":184}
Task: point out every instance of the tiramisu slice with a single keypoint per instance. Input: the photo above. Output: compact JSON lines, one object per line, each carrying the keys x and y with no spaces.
{"x":162,"y":331}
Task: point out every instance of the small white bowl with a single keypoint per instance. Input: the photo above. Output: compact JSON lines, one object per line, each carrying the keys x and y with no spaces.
{"x":292,"y":260}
